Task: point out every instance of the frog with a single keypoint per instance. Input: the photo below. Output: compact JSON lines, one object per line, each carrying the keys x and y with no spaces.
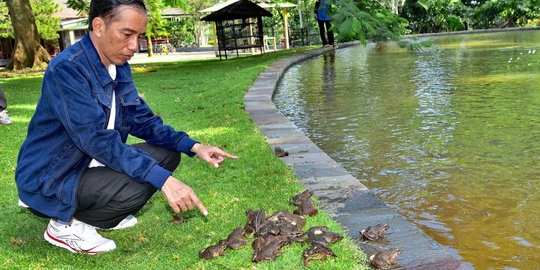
{"x":306,"y":208}
{"x":291,"y":232}
{"x":317,"y":252}
{"x":386,"y":258}
{"x":299,"y":198}
{"x":279,"y":152}
{"x":255,"y":218}
{"x":213,"y":251}
{"x":261,"y":241}
{"x":284,"y":215}
{"x":270,"y":250}
{"x":374,"y":233}
{"x":317,"y":230}
{"x":178,"y":219}
{"x":325,"y":238}
{"x":237,"y":239}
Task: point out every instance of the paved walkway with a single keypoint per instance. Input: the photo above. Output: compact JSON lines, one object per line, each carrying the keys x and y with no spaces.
{"x":171,"y":57}
{"x":341,"y":195}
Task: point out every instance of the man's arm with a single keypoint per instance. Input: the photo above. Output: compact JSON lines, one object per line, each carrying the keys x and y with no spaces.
{"x":149,"y":127}
{"x":67,"y":89}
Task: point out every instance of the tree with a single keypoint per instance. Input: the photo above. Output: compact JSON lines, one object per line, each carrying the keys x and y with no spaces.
{"x":28,"y":51}
{"x":193,"y":7}
{"x":47,"y":25}
{"x":156,"y":25}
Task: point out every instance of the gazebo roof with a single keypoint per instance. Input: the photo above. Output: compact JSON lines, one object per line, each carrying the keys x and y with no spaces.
{"x":262,"y":4}
{"x":235,"y":9}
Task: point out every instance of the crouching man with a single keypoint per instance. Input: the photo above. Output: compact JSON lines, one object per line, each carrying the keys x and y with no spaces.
{"x":75,"y":166}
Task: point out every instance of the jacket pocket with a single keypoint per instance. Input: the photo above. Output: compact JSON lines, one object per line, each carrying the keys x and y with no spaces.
{"x":129,"y":103}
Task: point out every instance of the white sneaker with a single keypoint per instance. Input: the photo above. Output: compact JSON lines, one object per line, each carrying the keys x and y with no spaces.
{"x":77,"y":237}
{"x":127,"y":222}
{"x":4,"y":118}
{"x":22,"y":204}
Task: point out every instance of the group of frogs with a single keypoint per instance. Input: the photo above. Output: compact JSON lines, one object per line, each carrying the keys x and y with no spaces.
{"x":274,"y":232}
{"x":282,"y":228}
{"x":385,"y":258}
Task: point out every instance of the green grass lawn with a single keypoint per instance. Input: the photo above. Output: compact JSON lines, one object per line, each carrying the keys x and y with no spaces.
{"x":205,"y":99}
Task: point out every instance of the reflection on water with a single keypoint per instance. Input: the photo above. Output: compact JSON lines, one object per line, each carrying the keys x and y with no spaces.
{"x":450,"y":138}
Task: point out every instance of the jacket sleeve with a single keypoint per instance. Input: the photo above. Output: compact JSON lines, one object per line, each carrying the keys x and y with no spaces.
{"x":317,"y":5}
{"x":149,"y":127}
{"x":67,"y":88}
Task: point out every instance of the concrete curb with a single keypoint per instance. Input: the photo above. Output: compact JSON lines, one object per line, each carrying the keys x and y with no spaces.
{"x":341,"y":195}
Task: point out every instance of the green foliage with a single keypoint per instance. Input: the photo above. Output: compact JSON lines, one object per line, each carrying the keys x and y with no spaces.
{"x":43,"y":10}
{"x":415,"y":45}
{"x":204,"y":98}
{"x":156,"y":24}
{"x":81,"y":6}
{"x":431,"y":16}
{"x":505,"y":13}
{"x":181,"y":31}
{"x":365,"y":20}
{"x":427,"y":16}
{"x":47,"y":25}
{"x":6,"y":30}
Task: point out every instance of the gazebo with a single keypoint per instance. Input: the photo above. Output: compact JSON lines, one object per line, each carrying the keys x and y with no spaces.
{"x":238,"y":26}
{"x":226,"y":12}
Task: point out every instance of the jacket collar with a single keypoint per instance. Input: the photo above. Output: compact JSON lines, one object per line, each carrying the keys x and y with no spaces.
{"x":123,"y":72}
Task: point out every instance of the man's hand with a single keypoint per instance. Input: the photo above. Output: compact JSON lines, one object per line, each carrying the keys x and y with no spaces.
{"x":180,"y":196}
{"x":211,"y":154}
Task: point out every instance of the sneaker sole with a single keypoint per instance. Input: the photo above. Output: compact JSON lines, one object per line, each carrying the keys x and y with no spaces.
{"x":59,"y":243}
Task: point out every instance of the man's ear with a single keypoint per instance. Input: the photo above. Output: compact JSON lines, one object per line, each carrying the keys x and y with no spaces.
{"x":99,"y":26}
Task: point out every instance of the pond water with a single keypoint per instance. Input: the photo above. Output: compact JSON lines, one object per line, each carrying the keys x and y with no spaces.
{"x":449,"y":137}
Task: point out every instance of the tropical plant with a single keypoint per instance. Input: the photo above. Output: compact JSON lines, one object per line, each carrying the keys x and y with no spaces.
{"x":428,"y":16}
{"x":365,"y":20}
{"x":505,"y":13}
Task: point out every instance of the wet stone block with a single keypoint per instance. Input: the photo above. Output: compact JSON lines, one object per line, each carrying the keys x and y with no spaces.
{"x":272,"y":133}
{"x":319,"y":170}
{"x":288,"y":140}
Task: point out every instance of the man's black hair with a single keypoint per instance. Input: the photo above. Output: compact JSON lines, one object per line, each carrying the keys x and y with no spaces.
{"x":106,"y":9}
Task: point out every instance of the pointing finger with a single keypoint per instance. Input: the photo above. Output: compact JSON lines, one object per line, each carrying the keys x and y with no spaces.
{"x":199,"y":205}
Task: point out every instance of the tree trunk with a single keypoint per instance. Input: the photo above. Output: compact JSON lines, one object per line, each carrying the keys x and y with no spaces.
{"x":149,"y":46}
{"x":28,"y":52}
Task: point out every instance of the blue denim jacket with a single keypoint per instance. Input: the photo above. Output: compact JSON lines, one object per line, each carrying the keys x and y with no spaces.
{"x":68,"y":129}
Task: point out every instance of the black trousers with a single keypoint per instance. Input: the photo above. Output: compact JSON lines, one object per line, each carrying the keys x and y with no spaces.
{"x":323,"y":34}
{"x":105,"y":197}
{"x":3,"y":101}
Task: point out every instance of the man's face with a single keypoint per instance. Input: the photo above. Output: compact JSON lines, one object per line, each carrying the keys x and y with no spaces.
{"x":118,"y":40}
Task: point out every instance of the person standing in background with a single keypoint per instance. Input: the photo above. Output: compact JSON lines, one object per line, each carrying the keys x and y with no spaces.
{"x":4,"y":118}
{"x":321,"y":9}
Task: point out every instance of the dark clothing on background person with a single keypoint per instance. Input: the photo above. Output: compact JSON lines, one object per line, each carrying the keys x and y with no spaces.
{"x":68,"y":130}
{"x":321,"y":13}
{"x":3,"y":101}
{"x":322,"y":31}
